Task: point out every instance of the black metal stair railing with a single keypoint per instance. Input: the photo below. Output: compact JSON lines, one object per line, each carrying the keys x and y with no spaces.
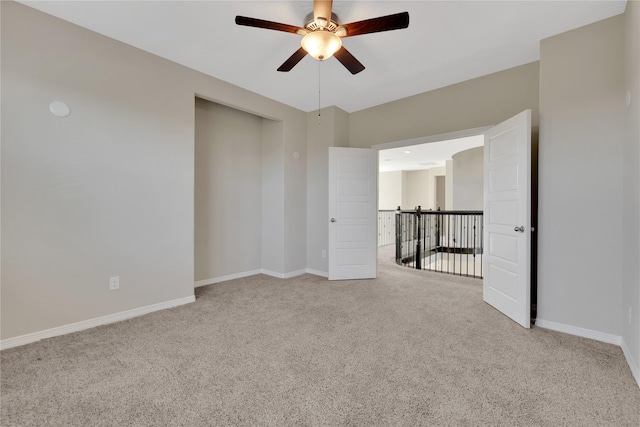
{"x":444,"y":241}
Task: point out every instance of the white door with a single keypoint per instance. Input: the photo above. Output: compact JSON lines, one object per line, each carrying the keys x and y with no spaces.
{"x":353,"y":209}
{"x":507,"y":218}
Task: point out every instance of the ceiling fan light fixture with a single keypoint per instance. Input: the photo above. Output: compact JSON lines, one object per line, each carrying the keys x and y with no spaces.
{"x":321,"y":44}
{"x":322,"y":34}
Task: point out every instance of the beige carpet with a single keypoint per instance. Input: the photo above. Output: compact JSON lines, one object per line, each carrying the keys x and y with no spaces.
{"x":410,"y":348}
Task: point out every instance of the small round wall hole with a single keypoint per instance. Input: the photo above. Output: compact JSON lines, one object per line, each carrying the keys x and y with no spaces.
{"x":59,"y":109}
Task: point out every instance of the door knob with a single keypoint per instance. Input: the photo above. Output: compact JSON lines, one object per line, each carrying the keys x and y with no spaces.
{"x":333,"y":220}
{"x":519,"y":229}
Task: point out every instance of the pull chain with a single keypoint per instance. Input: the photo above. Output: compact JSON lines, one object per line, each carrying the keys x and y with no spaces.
{"x":319,"y":92}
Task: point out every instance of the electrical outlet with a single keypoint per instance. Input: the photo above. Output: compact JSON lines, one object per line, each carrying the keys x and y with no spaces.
{"x":114,"y":283}
{"x":630,"y":313}
{"x":324,"y":253}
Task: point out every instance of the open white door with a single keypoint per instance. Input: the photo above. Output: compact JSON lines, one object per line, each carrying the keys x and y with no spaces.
{"x":507,"y":218}
{"x":353,"y":200}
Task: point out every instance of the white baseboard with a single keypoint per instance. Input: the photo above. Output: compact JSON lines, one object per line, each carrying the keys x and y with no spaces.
{"x":226,"y":278}
{"x":288,"y":275}
{"x":271,"y":273}
{"x":635,"y":371}
{"x":581,"y":332}
{"x":317,"y":272}
{"x":91,"y":323}
{"x":296,"y":273}
{"x":598,"y":336}
{"x":252,"y":273}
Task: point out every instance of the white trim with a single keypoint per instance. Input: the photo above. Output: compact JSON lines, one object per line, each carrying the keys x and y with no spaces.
{"x":271,"y":273}
{"x":295,"y":273}
{"x":91,"y":323}
{"x":288,"y":275}
{"x":432,"y":138}
{"x":581,"y":332}
{"x":225,"y":278}
{"x":635,"y":371}
{"x":317,"y":272}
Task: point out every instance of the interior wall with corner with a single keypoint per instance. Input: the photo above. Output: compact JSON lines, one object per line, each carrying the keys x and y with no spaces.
{"x":116,"y":178}
{"x":409,"y":189}
{"x":229,"y":151}
{"x":107,"y":191}
{"x":421,"y":188}
{"x":581,"y":131}
{"x":437,"y":177}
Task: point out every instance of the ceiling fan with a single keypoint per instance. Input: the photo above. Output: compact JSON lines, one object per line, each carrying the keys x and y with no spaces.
{"x":323,"y":34}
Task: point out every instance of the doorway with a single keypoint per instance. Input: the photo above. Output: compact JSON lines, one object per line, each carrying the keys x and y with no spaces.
{"x":423,"y":173}
{"x":507,"y":200}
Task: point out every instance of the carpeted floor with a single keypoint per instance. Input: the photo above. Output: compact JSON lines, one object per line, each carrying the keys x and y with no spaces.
{"x":410,"y":348}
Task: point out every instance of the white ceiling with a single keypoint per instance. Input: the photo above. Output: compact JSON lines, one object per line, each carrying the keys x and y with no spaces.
{"x":425,"y":156}
{"x":447,"y":42}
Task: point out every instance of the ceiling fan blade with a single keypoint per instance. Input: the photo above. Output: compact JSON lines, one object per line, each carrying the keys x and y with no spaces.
{"x":293,"y":60}
{"x":376,"y":25}
{"x":348,"y":60}
{"x":269,"y":25}
{"x":322,"y":12}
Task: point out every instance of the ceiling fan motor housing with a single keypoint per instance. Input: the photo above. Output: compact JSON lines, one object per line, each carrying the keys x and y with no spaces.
{"x":312,"y":25}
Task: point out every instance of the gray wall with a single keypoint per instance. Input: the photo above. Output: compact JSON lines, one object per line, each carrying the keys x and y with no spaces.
{"x":410,"y":189}
{"x":228,"y":187}
{"x":448,"y":184}
{"x":416,"y":190}
{"x":107,"y":191}
{"x":468,"y":178}
{"x":294,"y":154}
{"x":475,"y":103}
{"x":419,"y":188}
{"x":273,"y":198}
{"x":441,"y":192}
{"x":579,"y":256}
{"x":390,"y":190}
{"x":110,"y":190}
